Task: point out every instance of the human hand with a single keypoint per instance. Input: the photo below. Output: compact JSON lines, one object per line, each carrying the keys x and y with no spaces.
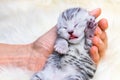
{"x":44,"y":45}
{"x":100,"y":38}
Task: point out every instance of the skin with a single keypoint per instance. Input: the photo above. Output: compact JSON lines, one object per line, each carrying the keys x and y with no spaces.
{"x":100,"y":39}
{"x":34,"y":55}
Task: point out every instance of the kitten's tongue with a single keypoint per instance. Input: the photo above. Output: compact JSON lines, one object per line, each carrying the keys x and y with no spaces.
{"x":72,"y":37}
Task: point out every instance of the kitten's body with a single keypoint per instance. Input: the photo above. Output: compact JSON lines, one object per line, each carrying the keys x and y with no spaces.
{"x":71,"y":60}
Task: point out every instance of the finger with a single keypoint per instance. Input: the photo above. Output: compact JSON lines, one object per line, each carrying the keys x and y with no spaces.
{"x":98,"y":31}
{"x":94,"y":54}
{"x":46,"y":42}
{"x":103,"y":24}
{"x":102,"y":35}
{"x":104,"y":38}
{"x":96,"y":12}
{"x":50,"y":36}
{"x":100,"y":45}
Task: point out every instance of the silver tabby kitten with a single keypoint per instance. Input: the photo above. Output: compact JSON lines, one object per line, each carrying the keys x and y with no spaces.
{"x":70,"y":59}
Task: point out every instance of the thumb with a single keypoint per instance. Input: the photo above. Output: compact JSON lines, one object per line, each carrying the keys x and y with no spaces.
{"x":46,"y":42}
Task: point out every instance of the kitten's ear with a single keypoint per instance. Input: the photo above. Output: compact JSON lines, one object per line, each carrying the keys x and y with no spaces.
{"x":64,"y":16}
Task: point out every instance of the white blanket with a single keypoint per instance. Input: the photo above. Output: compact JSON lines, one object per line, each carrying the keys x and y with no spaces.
{"x":23,"y":21}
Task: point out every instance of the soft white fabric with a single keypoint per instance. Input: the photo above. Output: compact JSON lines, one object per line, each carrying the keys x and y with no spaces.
{"x":23,"y":21}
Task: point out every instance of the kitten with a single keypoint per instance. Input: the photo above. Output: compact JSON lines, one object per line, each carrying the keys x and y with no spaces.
{"x":70,"y":59}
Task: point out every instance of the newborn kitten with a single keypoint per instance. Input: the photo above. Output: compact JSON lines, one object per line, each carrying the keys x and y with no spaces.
{"x":70,"y":59}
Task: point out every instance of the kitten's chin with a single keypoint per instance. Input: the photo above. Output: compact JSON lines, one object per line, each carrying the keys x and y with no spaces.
{"x":74,"y":41}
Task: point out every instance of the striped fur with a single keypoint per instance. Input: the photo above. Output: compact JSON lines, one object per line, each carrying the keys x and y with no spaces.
{"x":71,"y":59}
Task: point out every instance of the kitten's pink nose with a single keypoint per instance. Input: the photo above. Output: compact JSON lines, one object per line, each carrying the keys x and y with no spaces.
{"x":70,"y":32}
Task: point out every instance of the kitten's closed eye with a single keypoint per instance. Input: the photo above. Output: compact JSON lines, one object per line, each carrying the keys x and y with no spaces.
{"x":75,"y":25}
{"x":65,"y":27}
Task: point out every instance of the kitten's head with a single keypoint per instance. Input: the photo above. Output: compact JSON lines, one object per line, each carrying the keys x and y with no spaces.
{"x":72,"y":23}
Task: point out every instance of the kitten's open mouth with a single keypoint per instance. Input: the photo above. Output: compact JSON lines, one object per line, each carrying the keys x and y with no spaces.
{"x":73,"y":37}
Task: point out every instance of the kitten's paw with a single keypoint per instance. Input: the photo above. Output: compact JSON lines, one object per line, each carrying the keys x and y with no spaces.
{"x":61,"y":48}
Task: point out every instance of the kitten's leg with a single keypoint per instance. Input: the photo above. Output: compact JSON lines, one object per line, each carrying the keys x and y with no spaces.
{"x":61,"y":46}
{"x":89,"y":32}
